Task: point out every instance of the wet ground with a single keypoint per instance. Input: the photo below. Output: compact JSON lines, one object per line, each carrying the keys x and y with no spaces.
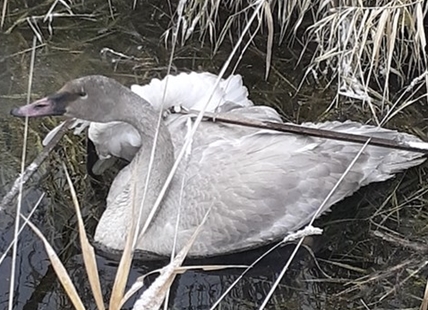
{"x":349,"y":267}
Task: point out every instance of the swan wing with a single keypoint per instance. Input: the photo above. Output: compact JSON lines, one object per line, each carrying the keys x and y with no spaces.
{"x":263,"y":185}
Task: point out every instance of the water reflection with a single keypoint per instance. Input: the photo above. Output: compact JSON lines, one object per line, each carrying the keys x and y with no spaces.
{"x":195,"y":289}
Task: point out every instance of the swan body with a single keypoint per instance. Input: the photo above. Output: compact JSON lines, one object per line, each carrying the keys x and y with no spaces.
{"x":256,"y":185}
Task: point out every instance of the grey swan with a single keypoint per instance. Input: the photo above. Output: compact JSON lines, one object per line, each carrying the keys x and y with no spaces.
{"x":259,"y":185}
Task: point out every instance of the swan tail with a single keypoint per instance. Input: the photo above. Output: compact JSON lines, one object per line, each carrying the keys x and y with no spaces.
{"x":380,"y":163}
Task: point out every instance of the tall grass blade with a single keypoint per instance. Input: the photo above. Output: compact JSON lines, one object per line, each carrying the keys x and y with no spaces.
{"x":87,"y":250}
{"x":413,"y":88}
{"x":139,"y":283}
{"x":135,"y":232}
{"x":3,"y":13}
{"x":231,"y":286}
{"x":424,"y":305}
{"x":420,"y":29}
{"x":60,"y":270}
{"x":271,"y":30}
{"x":21,"y":228}
{"x":307,"y":231}
{"x":197,"y":121}
{"x":391,"y":39}
{"x":21,"y":184}
{"x":154,"y":296}
{"x":319,"y":210}
{"x":125,"y":262}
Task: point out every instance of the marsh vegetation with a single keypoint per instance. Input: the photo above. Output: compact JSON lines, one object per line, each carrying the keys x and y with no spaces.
{"x":310,"y":60}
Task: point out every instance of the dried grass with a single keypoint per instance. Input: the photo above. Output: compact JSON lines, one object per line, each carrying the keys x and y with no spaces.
{"x":361,"y":47}
{"x":21,"y":185}
{"x":368,"y":48}
{"x":368,"y":30}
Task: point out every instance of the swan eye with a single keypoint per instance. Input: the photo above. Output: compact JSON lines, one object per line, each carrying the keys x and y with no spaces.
{"x":83,"y":95}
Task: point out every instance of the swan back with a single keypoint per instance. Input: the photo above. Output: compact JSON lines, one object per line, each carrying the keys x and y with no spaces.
{"x":189,"y":90}
{"x":194,"y":91}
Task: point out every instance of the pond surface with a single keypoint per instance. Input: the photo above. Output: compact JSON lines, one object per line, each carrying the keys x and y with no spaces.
{"x":344,"y":255}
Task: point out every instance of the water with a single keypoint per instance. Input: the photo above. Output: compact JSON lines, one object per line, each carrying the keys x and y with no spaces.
{"x":74,"y":50}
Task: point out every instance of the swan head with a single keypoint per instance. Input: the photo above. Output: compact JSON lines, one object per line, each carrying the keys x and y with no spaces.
{"x":89,"y":98}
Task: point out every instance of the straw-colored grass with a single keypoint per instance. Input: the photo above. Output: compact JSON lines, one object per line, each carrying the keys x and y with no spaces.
{"x":362,"y":47}
{"x":365,"y":49}
{"x":21,"y":186}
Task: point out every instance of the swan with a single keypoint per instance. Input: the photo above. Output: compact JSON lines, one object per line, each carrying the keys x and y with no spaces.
{"x":258,"y":185}
{"x":190,"y":91}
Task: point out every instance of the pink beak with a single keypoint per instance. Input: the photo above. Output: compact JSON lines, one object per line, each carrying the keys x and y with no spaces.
{"x":41,"y":107}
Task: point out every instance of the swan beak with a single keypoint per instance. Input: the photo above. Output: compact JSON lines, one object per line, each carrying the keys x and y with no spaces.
{"x":43,"y":107}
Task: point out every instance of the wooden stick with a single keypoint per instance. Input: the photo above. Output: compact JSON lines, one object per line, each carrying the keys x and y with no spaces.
{"x":32,"y":168}
{"x":417,"y":147}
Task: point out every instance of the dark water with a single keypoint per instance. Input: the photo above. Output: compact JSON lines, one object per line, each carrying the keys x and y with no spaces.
{"x":346,"y":252}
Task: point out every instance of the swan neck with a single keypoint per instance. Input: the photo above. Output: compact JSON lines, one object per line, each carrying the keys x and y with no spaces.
{"x":142,"y":116}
